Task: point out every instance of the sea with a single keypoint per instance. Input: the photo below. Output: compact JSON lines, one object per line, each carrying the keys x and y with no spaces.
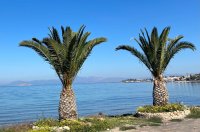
{"x":29,"y":103}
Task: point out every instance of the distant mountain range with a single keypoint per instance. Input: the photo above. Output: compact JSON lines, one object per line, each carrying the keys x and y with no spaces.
{"x":77,"y":80}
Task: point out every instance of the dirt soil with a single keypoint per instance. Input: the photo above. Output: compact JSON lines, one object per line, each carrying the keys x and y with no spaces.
{"x":187,"y":125}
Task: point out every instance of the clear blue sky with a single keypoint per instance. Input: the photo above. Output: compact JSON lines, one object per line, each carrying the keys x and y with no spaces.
{"x":118,"y":20}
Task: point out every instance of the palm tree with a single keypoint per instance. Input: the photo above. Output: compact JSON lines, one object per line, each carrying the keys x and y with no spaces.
{"x":157,"y":51}
{"x":66,"y":55}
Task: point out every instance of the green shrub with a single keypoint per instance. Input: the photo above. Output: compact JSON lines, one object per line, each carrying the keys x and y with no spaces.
{"x":81,"y":125}
{"x":176,"y":120}
{"x":155,"y":119}
{"x":124,"y":128}
{"x":75,"y":125}
{"x":100,"y":124}
{"x":17,"y":128}
{"x":46,"y":122}
{"x":195,"y":112}
{"x":166,"y":108}
{"x":71,"y":123}
{"x":154,"y":124}
{"x":89,"y":124}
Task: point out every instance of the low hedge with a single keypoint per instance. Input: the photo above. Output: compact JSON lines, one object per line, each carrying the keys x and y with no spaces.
{"x":166,"y":108}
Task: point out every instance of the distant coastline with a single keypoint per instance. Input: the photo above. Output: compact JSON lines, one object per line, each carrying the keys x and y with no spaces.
{"x":78,"y":80}
{"x":194,"y":81}
{"x":192,"y":78}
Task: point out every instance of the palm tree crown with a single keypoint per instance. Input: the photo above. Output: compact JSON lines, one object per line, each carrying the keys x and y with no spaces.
{"x":158,"y":50}
{"x":66,"y":55}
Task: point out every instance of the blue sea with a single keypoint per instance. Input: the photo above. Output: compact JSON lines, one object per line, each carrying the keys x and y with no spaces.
{"x":29,"y":103}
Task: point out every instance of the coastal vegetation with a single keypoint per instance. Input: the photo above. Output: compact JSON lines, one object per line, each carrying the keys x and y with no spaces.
{"x":88,"y":124}
{"x":157,"y":52}
{"x":101,"y":122}
{"x":66,"y":54}
{"x":165,"y":108}
{"x":97,"y":123}
{"x":195,"y":112}
{"x":136,"y":80}
{"x":187,"y":78}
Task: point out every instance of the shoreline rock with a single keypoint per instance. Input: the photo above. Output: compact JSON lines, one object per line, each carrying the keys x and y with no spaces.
{"x":165,"y":116}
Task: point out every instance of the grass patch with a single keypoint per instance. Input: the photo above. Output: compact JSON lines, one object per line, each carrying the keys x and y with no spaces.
{"x":92,"y":124}
{"x":47,"y":122}
{"x":16,"y":128}
{"x":89,"y":124}
{"x":124,"y":128}
{"x":195,"y":112}
{"x":176,"y":120}
{"x":142,"y":125}
{"x":154,"y":124}
{"x":155,"y":119}
{"x":166,"y":108}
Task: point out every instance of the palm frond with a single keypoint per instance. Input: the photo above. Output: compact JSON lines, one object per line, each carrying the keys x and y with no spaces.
{"x":40,"y":49}
{"x":173,"y":42}
{"x":44,"y":53}
{"x":85,"y":51}
{"x":54,"y":34}
{"x":66,"y":55}
{"x":157,"y":50}
{"x":170,"y":53}
{"x":136,"y":53}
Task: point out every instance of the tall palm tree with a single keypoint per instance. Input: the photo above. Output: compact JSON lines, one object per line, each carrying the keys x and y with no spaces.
{"x":157,"y":51}
{"x":66,"y":55}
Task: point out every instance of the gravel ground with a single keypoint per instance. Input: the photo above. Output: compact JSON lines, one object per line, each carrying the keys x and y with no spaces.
{"x":187,"y":125}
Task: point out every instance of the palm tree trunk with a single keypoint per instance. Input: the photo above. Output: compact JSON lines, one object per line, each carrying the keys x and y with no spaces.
{"x":160,"y":93}
{"x":67,"y":105}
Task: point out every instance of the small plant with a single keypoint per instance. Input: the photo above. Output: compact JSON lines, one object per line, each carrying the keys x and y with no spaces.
{"x":142,"y":125}
{"x":154,"y":124}
{"x":155,"y":119}
{"x":195,"y":112}
{"x":165,"y":108}
{"x":85,"y":124}
{"x":124,"y":128}
{"x":176,"y":120}
{"x":16,"y":128}
{"x":46,"y":122}
{"x":88,"y":124}
{"x":103,"y":123}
